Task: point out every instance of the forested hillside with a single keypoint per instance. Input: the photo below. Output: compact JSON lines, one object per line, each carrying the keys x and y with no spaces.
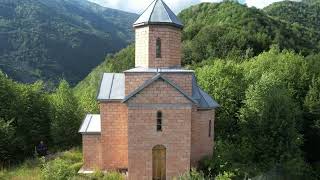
{"x":233,"y":30}
{"x":86,"y":90}
{"x":54,"y":39}
{"x":264,"y":72}
{"x":305,"y":13}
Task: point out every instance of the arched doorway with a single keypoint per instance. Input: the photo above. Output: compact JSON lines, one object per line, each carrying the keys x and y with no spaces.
{"x":159,"y":162}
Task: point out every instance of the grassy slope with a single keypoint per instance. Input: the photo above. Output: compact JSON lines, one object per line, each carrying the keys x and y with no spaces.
{"x":28,"y":170}
{"x":31,"y":168}
{"x":64,"y":165}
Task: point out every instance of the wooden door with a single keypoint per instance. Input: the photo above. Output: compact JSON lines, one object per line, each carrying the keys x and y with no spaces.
{"x":159,"y":163}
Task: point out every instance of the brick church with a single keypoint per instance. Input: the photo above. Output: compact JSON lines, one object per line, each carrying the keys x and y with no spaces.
{"x":155,"y":122}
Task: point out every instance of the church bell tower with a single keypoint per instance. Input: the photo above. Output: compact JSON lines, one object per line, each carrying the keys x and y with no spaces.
{"x":158,"y":37}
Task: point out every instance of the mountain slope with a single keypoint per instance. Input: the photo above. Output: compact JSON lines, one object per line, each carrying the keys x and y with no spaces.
{"x":86,"y":90}
{"x":305,"y":13}
{"x":231,"y":29}
{"x":53,"y":39}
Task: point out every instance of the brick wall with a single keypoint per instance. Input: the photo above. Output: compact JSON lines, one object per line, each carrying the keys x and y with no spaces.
{"x":134,"y":80}
{"x":114,"y":135}
{"x":175,"y":136}
{"x":159,"y":91}
{"x":170,"y":46}
{"x":183,"y":80}
{"x":201,"y":143}
{"x":91,"y":151}
{"x":146,"y":46}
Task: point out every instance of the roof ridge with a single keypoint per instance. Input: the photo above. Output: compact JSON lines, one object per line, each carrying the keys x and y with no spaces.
{"x":201,"y":93}
{"x":89,"y":122}
{"x":111,"y":86}
{"x":179,"y":89}
{"x":154,"y":15}
{"x":153,"y":79}
{"x":146,"y":9}
{"x":155,"y":2}
{"x":164,"y":5}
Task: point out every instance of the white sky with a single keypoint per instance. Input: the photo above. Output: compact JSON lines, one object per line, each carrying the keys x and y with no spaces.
{"x":137,"y":6}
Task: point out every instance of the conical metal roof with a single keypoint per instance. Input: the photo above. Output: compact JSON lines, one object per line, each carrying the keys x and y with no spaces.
{"x":158,"y":13}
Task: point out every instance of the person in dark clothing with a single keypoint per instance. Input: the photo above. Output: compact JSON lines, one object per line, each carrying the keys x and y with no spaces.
{"x":42,"y":149}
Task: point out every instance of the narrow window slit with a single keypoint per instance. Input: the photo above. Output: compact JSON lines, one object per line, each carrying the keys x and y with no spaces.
{"x":158,"y":48}
{"x":159,"y":121}
{"x":209,"y":128}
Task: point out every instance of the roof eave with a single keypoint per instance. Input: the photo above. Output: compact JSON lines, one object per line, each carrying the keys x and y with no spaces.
{"x":159,"y":70}
{"x":90,"y":133}
{"x":109,"y":100}
{"x":179,"y":26}
{"x":208,"y":108}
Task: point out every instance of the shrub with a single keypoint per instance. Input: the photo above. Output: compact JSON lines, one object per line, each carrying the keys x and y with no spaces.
{"x":225,"y":176}
{"x":113,"y":176}
{"x":206,"y":165}
{"x":97,"y":174}
{"x":57,"y":169}
{"x":192,"y":175}
{"x":72,"y":156}
{"x":63,"y":167}
{"x":76,"y":167}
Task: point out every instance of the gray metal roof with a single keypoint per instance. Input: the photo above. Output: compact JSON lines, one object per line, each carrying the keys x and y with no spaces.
{"x":158,"y":70}
{"x":112,"y":87}
{"x":204,"y":100}
{"x":91,"y":124}
{"x":153,"y":79}
{"x":158,"y":13}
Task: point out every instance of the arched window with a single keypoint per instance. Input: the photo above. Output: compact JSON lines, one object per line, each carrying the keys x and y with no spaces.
{"x":158,"y":48}
{"x":159,"y":121}
{"x":210,"y":128}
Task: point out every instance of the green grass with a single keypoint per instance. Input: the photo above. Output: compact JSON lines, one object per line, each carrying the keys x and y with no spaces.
{"x":62,"y":166}
{"x":29,"y":170}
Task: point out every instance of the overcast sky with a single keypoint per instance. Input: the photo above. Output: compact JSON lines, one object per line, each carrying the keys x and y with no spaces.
{"x":137,"y":6}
